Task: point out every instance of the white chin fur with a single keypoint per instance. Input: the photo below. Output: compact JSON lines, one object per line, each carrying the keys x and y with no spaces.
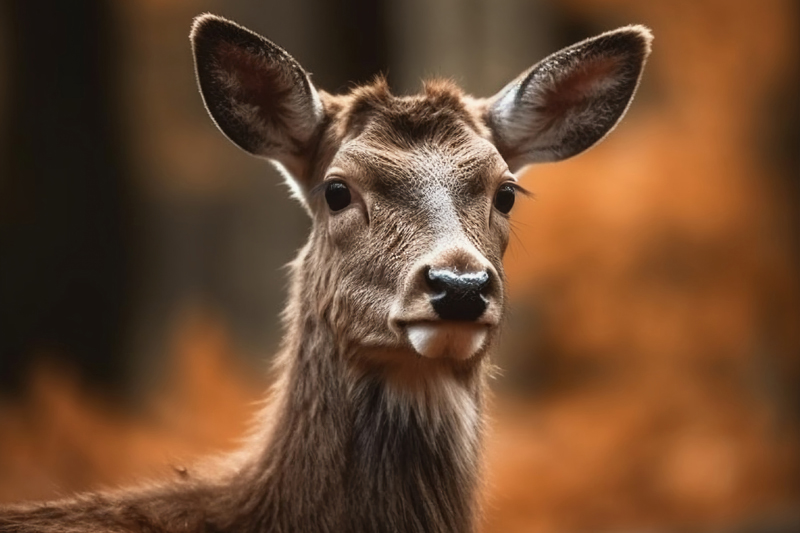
{"x":446,"y":340}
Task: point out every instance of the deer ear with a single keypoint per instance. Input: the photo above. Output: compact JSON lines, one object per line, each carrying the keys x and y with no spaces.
{"x":255,"y":92}
{"x":570,"y":100}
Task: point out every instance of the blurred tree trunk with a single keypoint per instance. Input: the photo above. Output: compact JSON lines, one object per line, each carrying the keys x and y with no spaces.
{"x":63,"y":267}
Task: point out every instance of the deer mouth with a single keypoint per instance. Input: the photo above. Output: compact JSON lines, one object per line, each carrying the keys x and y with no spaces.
{"x":445,"y":339}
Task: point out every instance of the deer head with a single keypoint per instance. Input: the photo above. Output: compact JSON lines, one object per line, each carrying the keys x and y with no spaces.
{"x":410,"y":195}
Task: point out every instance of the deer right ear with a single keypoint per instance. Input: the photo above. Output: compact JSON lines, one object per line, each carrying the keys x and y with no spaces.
{"x":255,"y":92}
{"x":570,"y":100}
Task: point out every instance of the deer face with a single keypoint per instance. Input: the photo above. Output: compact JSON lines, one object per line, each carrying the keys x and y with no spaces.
{"x":408,"y":207}
{"x":410,"y":196}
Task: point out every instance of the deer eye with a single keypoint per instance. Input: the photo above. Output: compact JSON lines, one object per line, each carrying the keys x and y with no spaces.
{"x":504,"y":199}
{"x":337,"y":195}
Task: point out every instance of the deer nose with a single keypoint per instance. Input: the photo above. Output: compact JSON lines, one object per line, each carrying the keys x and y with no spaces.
{"x":458,"y":296}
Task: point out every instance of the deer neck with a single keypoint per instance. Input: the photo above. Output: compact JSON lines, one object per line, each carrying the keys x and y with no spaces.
{"x":363,"y":449}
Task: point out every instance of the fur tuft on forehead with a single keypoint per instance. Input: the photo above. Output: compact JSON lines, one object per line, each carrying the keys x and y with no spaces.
{"x":444,"y":92}
{"x":375,"y":93}
{"x":440,"y":109}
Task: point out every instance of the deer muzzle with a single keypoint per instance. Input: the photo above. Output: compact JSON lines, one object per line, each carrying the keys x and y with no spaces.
{"x":450,"y":303}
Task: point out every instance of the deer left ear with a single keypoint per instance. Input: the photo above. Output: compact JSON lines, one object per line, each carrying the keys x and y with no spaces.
{"x":257,"y":94}
{"x":570,"y":100}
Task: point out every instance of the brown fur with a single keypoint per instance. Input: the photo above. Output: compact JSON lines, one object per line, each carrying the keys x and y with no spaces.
{"x":363,"y":433}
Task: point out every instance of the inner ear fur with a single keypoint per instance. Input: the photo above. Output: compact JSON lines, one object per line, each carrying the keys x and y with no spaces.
{"x":256,"y":93}
{"x":570,"y":100}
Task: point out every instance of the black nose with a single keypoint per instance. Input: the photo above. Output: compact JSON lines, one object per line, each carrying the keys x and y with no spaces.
{"x":458,"y":296}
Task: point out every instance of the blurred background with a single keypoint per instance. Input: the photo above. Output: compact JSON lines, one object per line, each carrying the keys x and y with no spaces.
{"x":651,"y":364}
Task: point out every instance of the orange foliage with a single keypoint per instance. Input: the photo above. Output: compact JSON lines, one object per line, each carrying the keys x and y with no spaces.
{"x":62,"y":439}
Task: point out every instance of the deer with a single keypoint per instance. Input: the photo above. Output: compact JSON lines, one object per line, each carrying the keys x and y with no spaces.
{"x":376,"y":419}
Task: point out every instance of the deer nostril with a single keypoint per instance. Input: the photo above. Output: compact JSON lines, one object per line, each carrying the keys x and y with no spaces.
{"x":444,"y":280}
{"x":458,"y":296}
